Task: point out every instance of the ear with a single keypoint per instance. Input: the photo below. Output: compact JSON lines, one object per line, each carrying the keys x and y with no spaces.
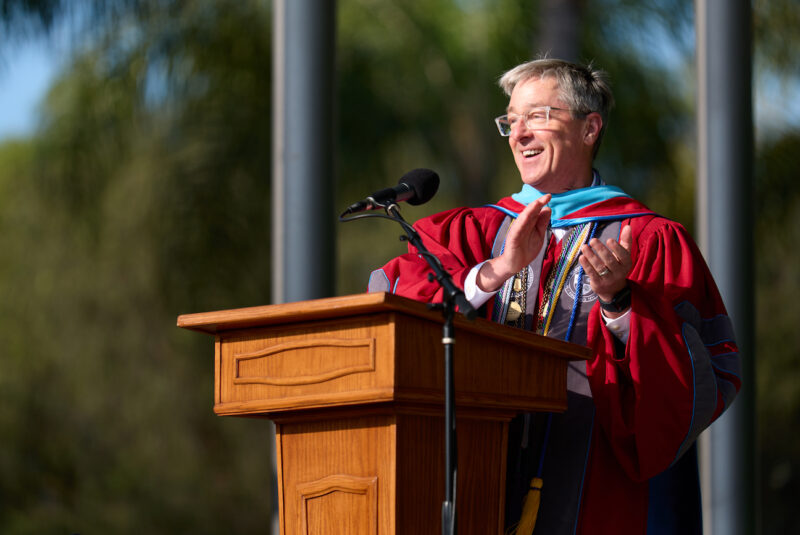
{"x":593,"y":125}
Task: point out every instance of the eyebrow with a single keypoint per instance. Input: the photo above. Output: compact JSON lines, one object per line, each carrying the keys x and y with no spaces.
{"x":508,"y":108}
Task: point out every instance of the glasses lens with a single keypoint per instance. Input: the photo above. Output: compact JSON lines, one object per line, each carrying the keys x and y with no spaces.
{"x":503,"y":125}
{"x":538,"y":116}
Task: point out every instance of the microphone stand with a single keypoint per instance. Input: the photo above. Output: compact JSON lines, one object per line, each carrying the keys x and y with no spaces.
{"x":453,"y":296}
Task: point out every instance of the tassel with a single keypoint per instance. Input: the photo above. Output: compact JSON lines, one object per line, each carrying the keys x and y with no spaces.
{"x":530,"y":510}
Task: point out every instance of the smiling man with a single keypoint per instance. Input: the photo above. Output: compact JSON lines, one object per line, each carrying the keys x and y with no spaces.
{"x":571,"y":257}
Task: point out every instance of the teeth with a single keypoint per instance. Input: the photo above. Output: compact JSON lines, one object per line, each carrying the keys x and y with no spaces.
{"x":531,"y":152}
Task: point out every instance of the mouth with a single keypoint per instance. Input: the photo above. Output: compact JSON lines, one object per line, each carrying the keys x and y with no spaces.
{"x":530,"y":153}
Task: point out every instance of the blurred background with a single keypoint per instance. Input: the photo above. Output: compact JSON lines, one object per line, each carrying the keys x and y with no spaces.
{"x":135,"y":162}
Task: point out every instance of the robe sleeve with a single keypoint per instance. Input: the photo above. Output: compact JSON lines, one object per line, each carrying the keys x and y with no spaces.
{"x":460,"y":238}
{"x":680,"y":367}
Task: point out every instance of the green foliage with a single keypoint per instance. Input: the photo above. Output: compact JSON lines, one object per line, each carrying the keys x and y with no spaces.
{"x":775,"y":26}
{"x":416,"y":88}
{"x":135,"y":203}
{"x":778,"y":376}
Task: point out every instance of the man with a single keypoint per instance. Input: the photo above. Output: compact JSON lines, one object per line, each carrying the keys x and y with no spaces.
{"x":571,"y":257}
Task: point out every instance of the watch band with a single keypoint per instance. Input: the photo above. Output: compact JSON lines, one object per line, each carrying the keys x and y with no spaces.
{"x":619,"y":303}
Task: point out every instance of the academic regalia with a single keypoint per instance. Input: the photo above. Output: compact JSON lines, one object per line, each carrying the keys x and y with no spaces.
{"x":621,"y":459}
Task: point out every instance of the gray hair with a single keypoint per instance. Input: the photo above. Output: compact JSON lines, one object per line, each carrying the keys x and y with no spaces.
{"x":583,"y":88}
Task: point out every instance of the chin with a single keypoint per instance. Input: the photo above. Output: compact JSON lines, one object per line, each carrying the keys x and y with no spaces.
{"x":535,"y":181}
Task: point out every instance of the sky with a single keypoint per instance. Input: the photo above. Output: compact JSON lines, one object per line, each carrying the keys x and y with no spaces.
{"x":26,"y":73}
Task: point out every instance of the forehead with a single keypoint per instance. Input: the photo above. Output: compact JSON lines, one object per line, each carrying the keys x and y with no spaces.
{"x":535,"y":92}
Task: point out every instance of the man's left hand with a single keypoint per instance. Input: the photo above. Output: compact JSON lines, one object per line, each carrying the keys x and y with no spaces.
{"x":608,"y":265}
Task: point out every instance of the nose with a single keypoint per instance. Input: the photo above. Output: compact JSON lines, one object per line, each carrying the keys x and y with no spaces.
{"x":520,"y":129}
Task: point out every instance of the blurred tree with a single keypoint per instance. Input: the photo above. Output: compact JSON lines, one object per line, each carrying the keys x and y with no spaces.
{"x":134,"y":203}
{"x":778,"y":314}
{"x":775,"y":24}
{"x":777,"y":207}
{"x":417,"y":88}
{"x":18,"y":17}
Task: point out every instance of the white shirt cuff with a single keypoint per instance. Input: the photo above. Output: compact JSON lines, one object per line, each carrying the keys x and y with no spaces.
{"x":472,"y":292}
{"x":619,"y":327}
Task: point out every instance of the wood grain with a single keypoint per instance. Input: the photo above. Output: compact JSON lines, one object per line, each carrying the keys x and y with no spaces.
{"x":355,"y":385}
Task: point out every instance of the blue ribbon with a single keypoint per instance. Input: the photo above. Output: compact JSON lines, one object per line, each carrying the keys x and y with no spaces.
{"x":563,"y":204}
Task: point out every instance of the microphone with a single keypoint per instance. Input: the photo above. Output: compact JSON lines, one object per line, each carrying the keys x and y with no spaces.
{"x":415,"y":187}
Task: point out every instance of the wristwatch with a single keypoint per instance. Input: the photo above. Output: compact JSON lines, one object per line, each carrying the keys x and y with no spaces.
{"x":619,"y":303}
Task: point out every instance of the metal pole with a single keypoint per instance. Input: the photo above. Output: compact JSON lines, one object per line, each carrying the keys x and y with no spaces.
{"x":449,"y":525}
{"x":725,"y":215}
{"x":302,"y":158}
{"x":303,"y":94}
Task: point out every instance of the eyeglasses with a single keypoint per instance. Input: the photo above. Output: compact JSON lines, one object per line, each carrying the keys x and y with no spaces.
{"x":534,"y":117}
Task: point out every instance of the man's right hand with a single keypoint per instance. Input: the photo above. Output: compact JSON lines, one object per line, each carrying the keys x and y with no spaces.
{"x":524,"y":241}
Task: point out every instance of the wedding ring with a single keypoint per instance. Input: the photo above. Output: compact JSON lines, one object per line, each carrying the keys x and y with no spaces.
{"x":604,"y":272}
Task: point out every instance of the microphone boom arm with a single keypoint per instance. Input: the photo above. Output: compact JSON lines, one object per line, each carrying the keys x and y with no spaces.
{"x":452,"y":293}
{"x":453,"y":297}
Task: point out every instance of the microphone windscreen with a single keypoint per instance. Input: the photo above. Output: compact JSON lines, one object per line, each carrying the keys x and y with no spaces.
{"x":423,"y":182}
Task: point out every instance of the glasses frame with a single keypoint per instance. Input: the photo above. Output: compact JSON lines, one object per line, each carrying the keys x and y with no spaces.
{"x":527,"y":116}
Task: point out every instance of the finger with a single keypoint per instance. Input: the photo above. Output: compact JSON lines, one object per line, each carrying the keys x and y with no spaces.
{"x":622,"y":248}
{"x":538,"y":229}
{"x":588,"y":254}
{"x":626,"y":238}
{"x":539,"y":203}
{"x":599,"y":276}
{"x":543,"y":220}
{"x":531,"y":212}
{"x":621,"y":254}
{"x":544,"y":199}
{"x":603,"y":253}
{"x":587,"y":266}
{"x":532,"y":222}
{"x":592,"y":264}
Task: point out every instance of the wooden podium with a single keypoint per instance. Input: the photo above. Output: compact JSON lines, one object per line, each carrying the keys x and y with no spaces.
{"x":355,"y":386}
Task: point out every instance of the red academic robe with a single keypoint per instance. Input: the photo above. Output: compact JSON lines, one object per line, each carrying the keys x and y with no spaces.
{"x":651,"y":398}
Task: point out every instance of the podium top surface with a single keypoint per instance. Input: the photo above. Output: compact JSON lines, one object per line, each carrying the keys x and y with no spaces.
{"x":218,"y":322}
